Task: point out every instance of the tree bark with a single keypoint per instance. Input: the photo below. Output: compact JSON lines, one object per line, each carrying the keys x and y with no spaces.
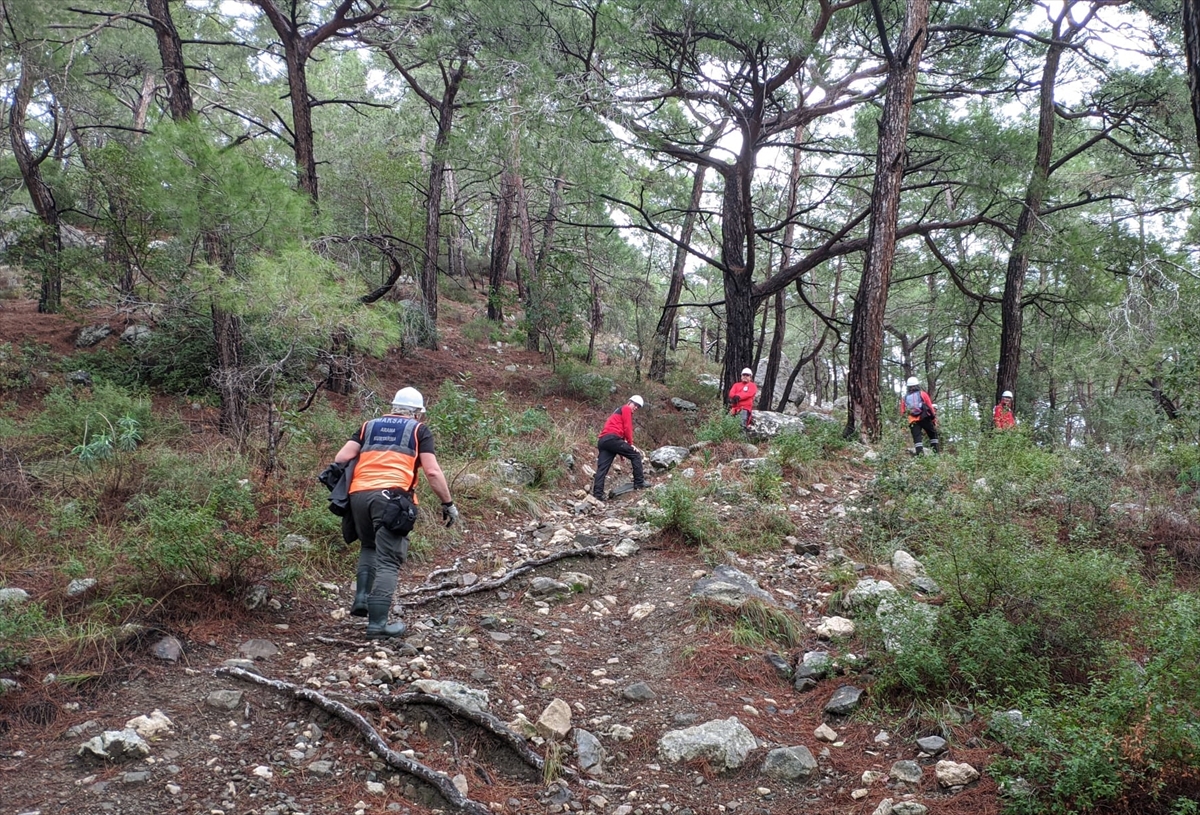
{"x":170,"y":51}
{"x":1191,"y":39}
{"x":501,"y":245}
{"x":737,"y":256}
{"x":297,"y":48}
{"x":40,"y":194}
{"x":433,"y":200}
{"x":866,"y":335}
{"x":1035,"y":192}
{"x":538,"y":264}
{"x":775,"y":356}
{"x":670,"y":314}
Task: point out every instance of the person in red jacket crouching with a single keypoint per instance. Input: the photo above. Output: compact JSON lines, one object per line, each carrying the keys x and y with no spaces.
{"x":742,"y":396}
{"x":616,"y":439}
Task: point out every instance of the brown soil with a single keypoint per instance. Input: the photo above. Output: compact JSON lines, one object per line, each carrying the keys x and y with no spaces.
{"x":585,"y":650}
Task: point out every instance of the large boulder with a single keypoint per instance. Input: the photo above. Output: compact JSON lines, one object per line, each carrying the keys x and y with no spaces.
{"x":767,"y":424}
{"x":664,"y":458}
{"x":790,"y":763}
{"x":91,"y":335}
{"x":725,"y":744}
{"x":727,"y":586}
{"x":514,"y":472}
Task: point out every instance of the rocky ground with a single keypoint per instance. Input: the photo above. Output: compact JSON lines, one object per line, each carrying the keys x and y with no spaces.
{"x":562,"y":664}
{"x":592,"y":657}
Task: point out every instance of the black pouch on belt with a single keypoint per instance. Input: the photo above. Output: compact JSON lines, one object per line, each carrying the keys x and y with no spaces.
{"x":400,"y":514}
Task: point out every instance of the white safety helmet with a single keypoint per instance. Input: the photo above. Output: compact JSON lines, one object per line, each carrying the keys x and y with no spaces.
{"x":637,"y":400}
{"x":1006,"y":395}
{"x":912,"y":382}
{"x":747,"y":371}
{"x":408,"y":399}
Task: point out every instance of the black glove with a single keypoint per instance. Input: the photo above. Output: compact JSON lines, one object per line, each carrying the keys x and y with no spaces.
{"x":449,"y":513}
{"x":331,"y":475}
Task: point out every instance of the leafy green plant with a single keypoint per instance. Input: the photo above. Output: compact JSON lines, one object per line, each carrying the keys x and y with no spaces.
{"x":181,"y":539}
{"x":721,"y":427}
{"x":69,"y":414}
{"x":577,"y":381}
{"x":681,"y":512}
{"x":101,"y":446}
{"x":766,"y":484}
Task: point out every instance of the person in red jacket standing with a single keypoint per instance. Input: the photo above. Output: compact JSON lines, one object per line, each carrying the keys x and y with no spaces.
{"x":742,"y":396}
{"x":1002,"y":416}
{"x":616,"y":439}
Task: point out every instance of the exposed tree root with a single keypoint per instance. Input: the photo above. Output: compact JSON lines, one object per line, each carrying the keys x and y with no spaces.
{"x":483,"y":720}
{"x":427,"y":594}
{"x":438,"y":781}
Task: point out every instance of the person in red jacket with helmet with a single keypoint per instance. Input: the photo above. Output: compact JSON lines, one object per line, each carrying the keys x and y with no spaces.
{"x":917,"y":407}
{"x":742,"y":396}
{"x":1002,"y":416}
{"x":616,"y":439}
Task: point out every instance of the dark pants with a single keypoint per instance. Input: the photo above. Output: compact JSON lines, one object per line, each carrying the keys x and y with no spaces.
{"x":610,"y":447}
{"x":383,"y":551}
{"x":744,"y":417}
{"x":927,"y":425}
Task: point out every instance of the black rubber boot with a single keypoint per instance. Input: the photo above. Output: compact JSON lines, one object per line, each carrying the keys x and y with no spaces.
{"x":362,"y":590}
{"x":378,"y":628}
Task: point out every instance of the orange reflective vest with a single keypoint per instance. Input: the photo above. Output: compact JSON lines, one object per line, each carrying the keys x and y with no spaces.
{"x":389,"y":455}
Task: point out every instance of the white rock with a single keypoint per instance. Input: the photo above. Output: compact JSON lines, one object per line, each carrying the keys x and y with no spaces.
{"x":149,"y":726}
{"x":641,"y":611}
{"x":555,"y":721}
{"x":825,"y":733}
{"x":831,"y":628}
{"x":953,"y":774}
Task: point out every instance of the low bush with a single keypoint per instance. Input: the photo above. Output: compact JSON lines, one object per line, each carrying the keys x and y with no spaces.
{"x":72,"y":417}
{"x":721,"y":427}
{"x":681,"y":512}
{"x":576,"y":381}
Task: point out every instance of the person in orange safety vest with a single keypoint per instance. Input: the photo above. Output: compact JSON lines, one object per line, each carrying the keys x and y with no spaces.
{"x":918,"y":409}
{"x":742,"y":396}
{"x":388,"y":452}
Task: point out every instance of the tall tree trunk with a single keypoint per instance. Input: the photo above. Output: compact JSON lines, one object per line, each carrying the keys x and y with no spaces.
{"x":433,"y":200}
{"x":230,"y":377}
{"x":170,"y":51}
{"x":670,"y":313}
{"x":40,"y":194}
{"x":737,"y":257}
{"x":233,"y":385}
{"x":775,"y":357}
{"x":501,"y":245}
{"x":525,"y":268}
{"x":1018,"y":259}
{"x":1191,"y":39}
{"x":455,"y":240}
{"x":866,"y":335}
{"x":538,"y":264}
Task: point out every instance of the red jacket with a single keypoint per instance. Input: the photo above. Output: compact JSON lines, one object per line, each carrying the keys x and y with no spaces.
{"x":1003,"y":418}
{"x":744,"y":393}
{"x":907,"y":411}
{"x":620,"y":423}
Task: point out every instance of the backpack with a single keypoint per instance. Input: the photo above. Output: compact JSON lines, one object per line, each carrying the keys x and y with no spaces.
{"x":915,"y":406}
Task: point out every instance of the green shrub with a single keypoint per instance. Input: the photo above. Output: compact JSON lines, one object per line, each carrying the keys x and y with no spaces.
{"x":483,"y":330}
{"x":766,"y":484}
{"x":176,"y":540}
{"x":576,"y":381}
{"x":681,"y":512}
{"x":1127,"y":738}
{"x":20,"y":625}
{"x":721,"y":427}
{"x":757,"y":624}
{"x":18,"y":366}
{"x":70,"y":417}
